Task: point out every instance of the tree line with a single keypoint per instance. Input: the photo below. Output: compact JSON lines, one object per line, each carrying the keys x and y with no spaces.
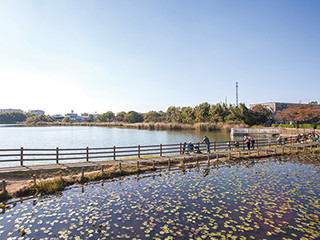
{"x":201,"y":113}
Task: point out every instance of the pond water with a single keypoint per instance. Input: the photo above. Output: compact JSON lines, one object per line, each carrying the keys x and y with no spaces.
{"x":79,"y":137}
{"x":265,"y":199}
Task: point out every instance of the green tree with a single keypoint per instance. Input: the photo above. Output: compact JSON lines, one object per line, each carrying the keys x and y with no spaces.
{"x":121,"y":116}
{"x":187,"y":115}
{"x":39,"y":118}
{"x":173,"y":114}
{"x":12,"y":117}
{"x":152,"y":116}
{"x":218,"y":112}
{"x":91,"y":118}
{"x":106,"y":117}
{"x":260,"y":114}
{"x":201,"y":112}
{"x":134,"y":117}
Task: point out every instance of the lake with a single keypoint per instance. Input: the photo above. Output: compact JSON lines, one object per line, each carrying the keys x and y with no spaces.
{"x":75,"y":137}
{"x":276,"y":198}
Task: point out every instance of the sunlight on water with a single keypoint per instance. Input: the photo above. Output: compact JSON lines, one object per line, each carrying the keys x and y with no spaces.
{"x":270,"y":199}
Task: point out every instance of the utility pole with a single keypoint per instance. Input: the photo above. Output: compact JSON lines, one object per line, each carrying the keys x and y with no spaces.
{"x":237,"y":94}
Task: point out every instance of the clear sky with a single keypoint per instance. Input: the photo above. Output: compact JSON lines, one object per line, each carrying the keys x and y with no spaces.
{"x":120,"y":55}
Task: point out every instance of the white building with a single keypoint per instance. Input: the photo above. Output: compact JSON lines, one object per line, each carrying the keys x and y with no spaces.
{"x":37,"y":112}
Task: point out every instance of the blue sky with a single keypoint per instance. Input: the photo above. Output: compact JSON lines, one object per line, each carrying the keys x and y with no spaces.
{"x":142,"y":55}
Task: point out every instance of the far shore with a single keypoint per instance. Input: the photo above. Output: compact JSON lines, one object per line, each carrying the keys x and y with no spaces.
{"x":209,"y":127}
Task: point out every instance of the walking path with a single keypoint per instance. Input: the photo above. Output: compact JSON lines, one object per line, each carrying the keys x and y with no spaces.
{"x":201,"y":156}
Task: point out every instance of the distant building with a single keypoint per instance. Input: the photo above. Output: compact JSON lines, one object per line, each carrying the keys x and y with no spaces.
{"x":10,"y":110}
{"x":37,"y":112}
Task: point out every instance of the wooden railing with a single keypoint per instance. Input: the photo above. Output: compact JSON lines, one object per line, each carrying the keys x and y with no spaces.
{"x":60,"y":155}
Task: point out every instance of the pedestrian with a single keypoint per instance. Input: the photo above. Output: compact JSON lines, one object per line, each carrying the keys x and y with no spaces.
{"x":207,"y":142}
{"x":247,"y":140}
{"x":190,"y":147}
{"x":184,"y":147}
{"x":252,"y":141}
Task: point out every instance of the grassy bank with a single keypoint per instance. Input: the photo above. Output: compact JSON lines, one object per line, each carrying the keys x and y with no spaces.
{"x":209,"y":127}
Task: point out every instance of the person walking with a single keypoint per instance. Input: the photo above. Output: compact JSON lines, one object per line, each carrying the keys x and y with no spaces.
{"x":247,"y":140}
{"x":207,"y":142}
{"x":252,"y":141}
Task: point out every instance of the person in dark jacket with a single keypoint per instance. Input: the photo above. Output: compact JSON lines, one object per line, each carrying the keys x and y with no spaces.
{"x":207,"y":142}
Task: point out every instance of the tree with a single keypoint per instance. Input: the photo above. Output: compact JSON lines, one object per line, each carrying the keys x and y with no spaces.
{"x":299,"y":113}
{"x":121,"y":116}
{"x":201,"y":112}
{"x":218,"y":112}
{"x":39,"y":118}
{"x":152,"y":116}
{"x":91,"y":117}
{"x":173,"y":114}
{"x":260,"y":113}
{"x":133,"y":117}
{"x":187,"y":115}
{"x":106,"y":117}
{"x":12,"y":117}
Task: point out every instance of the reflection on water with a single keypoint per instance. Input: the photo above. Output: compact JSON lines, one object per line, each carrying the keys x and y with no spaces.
{"x":270,"y":199}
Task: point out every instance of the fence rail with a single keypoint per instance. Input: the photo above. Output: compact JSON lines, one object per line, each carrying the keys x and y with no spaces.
{"x":60,"y":155}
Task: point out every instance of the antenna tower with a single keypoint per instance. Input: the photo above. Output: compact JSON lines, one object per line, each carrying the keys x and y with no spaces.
{"x":237,"y":94}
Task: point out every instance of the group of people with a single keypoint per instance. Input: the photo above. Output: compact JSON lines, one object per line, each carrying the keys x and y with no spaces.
{"x":302,"y":138}
{"x":189,"y":148}
{"x":249,"y":141}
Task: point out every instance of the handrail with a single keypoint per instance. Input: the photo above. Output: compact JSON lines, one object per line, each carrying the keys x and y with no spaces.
{"x":59,"y":155}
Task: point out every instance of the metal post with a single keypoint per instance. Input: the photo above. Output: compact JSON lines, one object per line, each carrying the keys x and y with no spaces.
{"x":21,"y":156}
{"x":57,"y":155}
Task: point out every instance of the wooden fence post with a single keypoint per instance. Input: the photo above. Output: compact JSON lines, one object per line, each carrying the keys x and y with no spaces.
{"x":114,"y":152}
{"x":34,"y":179}
{"x":153,"y":164}
{"x":82,"y":173}
{"x":102,"y":170}
{"x":4,"y":185}
{"x":120,"y":166}
{"x":258,"y":145}
{"x":217,"y":156}
{"x":138,"y":151}
{"x":180,"y":150}
{"x":87,"y":154}
{"x":161,"y":150}
{"x":208,"y":159}
{"x":239,"y":154}
{"x":138,"y":165}
{"x":21,"y":156}
{"x":229,"y":145}
{"x":57,"y":155}
{"x":169,"y":163}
